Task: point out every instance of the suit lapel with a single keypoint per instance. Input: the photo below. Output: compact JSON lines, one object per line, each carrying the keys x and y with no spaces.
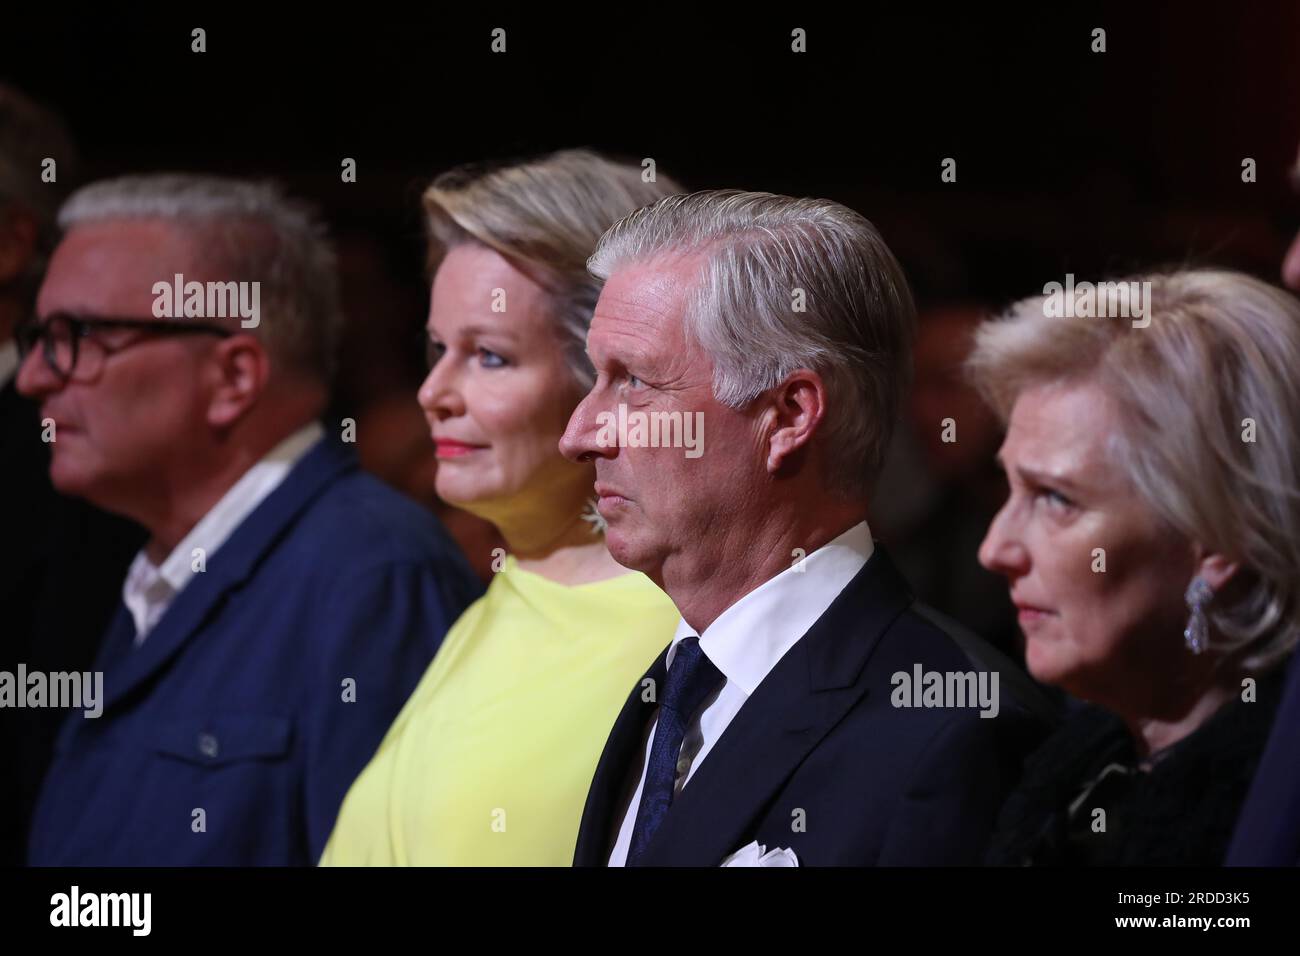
{"x":232,"y":564}
{"x":610,"y":784}
{"x":808,"y":692}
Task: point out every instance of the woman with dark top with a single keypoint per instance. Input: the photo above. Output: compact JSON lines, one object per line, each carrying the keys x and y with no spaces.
{"x":1151,"y":542}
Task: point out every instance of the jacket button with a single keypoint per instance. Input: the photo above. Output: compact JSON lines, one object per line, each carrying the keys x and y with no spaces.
{"x":208,"y":745}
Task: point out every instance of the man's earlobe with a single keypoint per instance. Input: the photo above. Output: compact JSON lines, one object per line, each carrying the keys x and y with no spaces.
{"x":242,"y":371}
{"x":798,"y":412}
{"x":779,"y":448}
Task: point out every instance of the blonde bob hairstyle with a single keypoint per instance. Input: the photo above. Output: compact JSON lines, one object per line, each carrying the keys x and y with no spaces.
{"x":545,"y":216}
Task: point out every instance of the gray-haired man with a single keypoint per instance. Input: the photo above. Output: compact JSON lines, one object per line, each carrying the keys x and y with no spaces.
{"x":285,"y":604}
{"x":785,"y":723}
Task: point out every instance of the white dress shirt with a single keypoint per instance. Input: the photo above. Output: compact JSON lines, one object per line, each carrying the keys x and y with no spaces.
{"x":745,"y":642}
{"x":150,"y":589}
{"x":8,"y":361}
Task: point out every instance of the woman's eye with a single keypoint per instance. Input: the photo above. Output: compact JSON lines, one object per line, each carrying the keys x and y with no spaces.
{"x":490,"y":359}
{"x":433,"y":351}
{"x":1055,"y":499}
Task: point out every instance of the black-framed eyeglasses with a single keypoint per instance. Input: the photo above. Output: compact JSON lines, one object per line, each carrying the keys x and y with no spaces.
{"x":61,"y":334}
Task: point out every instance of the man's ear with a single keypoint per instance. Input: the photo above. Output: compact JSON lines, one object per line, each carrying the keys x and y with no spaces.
{"x":797,"y":408}
{"x":240,"y":369}
{"x":17,"y":244}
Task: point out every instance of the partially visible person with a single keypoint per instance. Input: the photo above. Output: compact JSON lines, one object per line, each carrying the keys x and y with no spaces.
{"x":489,"y":762}
{"x":285,"y":603}
{"x":54,"y":546}
{"x":1151,"y":543}
{"x":1268,"y":832}
{"x":956,"y":435}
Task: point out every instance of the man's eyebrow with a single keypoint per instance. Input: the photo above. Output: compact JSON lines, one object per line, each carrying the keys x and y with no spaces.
{"x":81,"y":315}
{"x":604,"y":353}
{"x":1039,"y":477}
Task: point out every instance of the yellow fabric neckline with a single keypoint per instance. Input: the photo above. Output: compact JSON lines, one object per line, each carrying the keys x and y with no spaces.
{"x":512,"y":568}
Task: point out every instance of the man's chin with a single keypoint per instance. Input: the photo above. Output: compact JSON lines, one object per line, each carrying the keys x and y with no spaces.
{"x":624,"y":550}
{"x":68,"y":480}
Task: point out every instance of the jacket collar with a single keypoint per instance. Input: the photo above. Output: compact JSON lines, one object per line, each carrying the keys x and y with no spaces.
{"x":126,"y":668}
{"x":821,"y":677}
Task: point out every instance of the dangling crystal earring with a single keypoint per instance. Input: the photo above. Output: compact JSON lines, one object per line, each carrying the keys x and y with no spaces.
{"x":592,"y":515}
{"x":1197,"y":633}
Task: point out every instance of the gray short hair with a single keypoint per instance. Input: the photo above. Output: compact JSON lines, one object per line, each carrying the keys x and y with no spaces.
{"x":545,"y":215}
{"x":856,"y":329}
{"x":256,"y":234}
{"x":1220,"y":347}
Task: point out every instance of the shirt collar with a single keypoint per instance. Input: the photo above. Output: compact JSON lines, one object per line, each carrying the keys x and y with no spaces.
{"x":151,"y":582}
{"x":748,"y":639}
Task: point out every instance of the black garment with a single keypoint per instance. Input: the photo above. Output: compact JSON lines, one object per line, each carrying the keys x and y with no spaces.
{"x":1180,"y":812}
{"x":820,"y":740}
{"x":62,"y":563}
{"x":938,"y":557}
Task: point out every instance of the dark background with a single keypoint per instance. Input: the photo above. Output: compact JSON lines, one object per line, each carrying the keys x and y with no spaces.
{"x":1099,"y":164}
{"x":1066,"y":158}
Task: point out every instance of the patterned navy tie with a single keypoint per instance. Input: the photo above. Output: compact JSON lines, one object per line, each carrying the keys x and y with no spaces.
{"x":690,"y":681}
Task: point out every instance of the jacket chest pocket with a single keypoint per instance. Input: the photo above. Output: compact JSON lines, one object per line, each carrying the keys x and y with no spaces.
{"x":218,"y":740}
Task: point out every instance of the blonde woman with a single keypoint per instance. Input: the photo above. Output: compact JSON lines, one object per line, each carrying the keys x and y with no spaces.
{"x":490,"y":760}
{"x":1151,"y":543}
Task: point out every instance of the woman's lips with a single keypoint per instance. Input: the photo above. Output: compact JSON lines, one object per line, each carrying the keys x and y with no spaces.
{"x":1031,"y":613}
{"x":448,"y":448}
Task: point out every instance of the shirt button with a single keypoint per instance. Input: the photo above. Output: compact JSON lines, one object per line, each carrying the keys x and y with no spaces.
{"x":208,"y":745}
{"x":683,"y":765}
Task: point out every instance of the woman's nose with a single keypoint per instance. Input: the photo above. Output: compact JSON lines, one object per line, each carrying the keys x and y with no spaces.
{"x":438,"y":394}
{"x":1002,"y":552}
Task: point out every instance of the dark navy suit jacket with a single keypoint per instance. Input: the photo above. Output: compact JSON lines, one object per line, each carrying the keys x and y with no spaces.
{"x":1268,"y":831}
{"x":226,"y":737}
{"x":876,"y":784}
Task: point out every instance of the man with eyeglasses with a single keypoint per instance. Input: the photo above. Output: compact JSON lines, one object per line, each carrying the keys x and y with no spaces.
{"x":1268,"y":830}
{"x":285,"y":604}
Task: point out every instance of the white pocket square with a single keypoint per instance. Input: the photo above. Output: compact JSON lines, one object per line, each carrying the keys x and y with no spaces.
{"x":758,"y":855}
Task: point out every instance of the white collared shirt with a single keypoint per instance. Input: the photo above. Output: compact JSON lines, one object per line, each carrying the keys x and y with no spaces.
{"x":8,"y":361}
{"x":745,"y":642}
{"x":149,"y":589}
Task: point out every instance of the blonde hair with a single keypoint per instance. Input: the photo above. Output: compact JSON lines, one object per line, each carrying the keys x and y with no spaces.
{"x":1221,"y":348}
{"x":545,"y":215}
